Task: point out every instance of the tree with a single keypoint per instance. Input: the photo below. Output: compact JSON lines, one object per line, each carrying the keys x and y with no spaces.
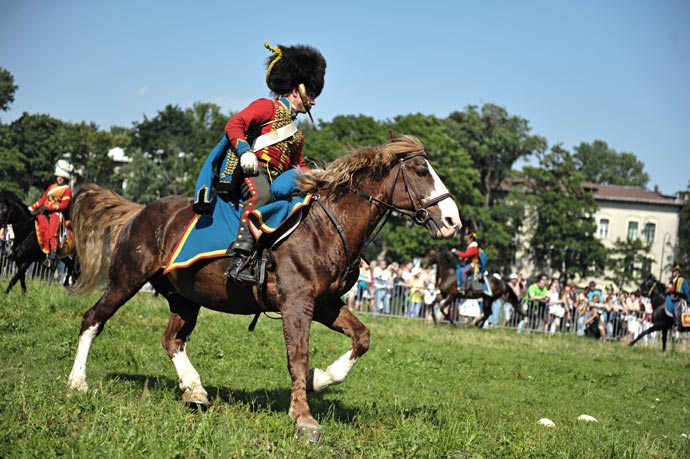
{"x":629,"y":261}
{"x":176,"y":142}
{"x":34,"y":141}
{"x":603,"y":165}
{"x":343,"y":134}
{"x":495,"y":141}
{"x":7,"y":89}
{"x":683,"y":249}
{"x":87,"y":148}
{"x":561,"y":219}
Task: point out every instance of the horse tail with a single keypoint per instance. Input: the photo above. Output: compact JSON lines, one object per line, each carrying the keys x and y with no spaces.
{"x":98,"y":216}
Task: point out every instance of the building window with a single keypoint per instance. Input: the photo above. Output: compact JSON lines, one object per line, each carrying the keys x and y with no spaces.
{"x":632,"y":231}
{"x":649,"y":233}
{"x":604,"y":228}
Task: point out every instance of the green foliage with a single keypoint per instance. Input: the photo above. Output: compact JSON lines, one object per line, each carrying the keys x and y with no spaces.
{"x":12,"y":166}
{"x":683,"y":249}
{"x":342,"y":135}
{"x":36,"y":139}
{"x":495,"y":141}
{"x":563,"y":237}
{"x":629,"y":261}
{"x":172,"y":146}
{"x":421,"y":391}
{"x":603,"y":165}
{"x":474,"y":152}
{"x":7,"y":89}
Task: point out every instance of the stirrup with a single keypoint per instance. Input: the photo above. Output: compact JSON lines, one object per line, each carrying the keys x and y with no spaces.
{"x":240,"y":271}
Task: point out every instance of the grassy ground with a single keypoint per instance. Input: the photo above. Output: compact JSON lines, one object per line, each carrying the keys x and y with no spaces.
{"x":421,"y":391}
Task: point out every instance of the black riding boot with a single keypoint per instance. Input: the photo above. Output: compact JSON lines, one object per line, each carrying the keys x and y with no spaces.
{"x":51,"y":260}
{"x":239,"y":269}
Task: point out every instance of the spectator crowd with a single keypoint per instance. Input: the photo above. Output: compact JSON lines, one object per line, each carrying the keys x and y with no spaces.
{"x":544,"y":305}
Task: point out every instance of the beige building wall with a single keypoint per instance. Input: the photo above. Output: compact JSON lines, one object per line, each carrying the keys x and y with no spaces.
{"x":623,"y":212}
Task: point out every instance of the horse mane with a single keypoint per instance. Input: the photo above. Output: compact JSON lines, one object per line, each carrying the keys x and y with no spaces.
{"x":15,"y":201}
{"x":376,"y":159}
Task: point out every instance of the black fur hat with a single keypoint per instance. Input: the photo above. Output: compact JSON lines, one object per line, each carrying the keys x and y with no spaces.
{"x":290,"y":66}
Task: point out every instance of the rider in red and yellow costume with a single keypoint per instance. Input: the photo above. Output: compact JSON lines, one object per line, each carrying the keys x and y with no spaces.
{"x":264,"y":141}
{"x":50,"y":207}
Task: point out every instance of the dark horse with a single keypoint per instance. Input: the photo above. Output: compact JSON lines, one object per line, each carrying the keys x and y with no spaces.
{"x":309,"y":272}
{"x":25,"y":249}
{"x":446,"y":281}
{"x":656,"y":292}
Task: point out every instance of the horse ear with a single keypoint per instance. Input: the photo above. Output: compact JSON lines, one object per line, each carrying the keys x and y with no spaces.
{"x":392,"y":134}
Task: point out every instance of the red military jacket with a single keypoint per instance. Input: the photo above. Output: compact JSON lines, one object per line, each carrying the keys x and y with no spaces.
{"x":261,"y":117}
{"x":471,"y":255}
{"x":56,"y":198}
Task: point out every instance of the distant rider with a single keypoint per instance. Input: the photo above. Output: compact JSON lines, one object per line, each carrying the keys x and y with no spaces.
{"x":50,"y":207}
{"x":469,"y":260}
{"x":678,"y":292}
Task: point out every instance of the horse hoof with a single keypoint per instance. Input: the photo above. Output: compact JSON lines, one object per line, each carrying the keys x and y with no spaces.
{"x":196,"y":400}
{"x":310,"y":434}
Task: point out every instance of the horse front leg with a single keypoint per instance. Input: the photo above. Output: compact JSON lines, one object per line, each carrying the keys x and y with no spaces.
{"x":296,"y":327}
{"x":181,"y":323}
{"x":342,"y":320}
{"x":91,"y":326}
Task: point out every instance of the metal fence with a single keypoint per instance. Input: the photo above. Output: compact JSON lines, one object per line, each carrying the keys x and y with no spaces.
{"x":533,"y":318}
{"x":523,"y":318}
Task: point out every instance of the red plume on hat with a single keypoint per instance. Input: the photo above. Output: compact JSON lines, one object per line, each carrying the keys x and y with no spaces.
{"x":469,"y":233}
{"x":290,"y":66}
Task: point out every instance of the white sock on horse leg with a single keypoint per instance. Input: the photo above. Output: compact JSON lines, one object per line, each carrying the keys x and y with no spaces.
{"x":335,"y":373}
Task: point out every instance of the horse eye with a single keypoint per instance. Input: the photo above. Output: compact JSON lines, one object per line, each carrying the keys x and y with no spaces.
{"x":423,"y":171}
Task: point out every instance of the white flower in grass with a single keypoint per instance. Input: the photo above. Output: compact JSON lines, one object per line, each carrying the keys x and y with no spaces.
{"x":546,"y":422}
{"x":586,"y":417}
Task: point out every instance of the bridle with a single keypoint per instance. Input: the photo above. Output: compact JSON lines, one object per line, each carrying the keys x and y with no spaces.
{"x":420,"y":214}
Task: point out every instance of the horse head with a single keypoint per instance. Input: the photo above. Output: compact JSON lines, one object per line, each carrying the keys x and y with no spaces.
{"x":654,"y":290}
{"x":12,"y":209}
{"x":432,"y":256}
{"x":396,"y":176}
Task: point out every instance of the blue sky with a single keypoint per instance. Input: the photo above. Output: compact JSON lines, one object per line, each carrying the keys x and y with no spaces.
{"x":578,"y":71}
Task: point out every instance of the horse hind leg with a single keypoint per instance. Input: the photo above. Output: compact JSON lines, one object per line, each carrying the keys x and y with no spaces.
{"x":180,"y":326}
{"x":653,"y":328}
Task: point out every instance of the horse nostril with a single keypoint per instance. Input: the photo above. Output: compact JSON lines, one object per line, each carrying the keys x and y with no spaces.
{"x":451,"y":222}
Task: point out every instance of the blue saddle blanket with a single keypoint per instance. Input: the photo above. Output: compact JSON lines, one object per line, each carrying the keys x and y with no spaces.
{"x":209,"y":235}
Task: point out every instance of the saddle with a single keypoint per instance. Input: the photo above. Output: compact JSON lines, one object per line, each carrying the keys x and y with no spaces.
{"x":474,"y":285}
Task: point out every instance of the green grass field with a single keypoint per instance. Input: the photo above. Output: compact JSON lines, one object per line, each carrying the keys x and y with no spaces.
{"x":421,"y":391}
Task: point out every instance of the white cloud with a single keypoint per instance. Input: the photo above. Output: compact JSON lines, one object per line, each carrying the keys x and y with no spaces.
{"x":143,"y":90}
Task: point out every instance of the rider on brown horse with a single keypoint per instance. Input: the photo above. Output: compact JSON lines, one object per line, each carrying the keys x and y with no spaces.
{"x":263,"y":139}
{"x":469,"y":262}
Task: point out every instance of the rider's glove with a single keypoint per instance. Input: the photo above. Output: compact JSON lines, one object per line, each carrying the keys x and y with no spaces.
{"x":249,"y":163}
{"x":39,"y":210}
{"x":202,"y":207}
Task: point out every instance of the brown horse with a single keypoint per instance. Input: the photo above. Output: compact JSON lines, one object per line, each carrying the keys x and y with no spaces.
{"x":308,"y":273}
{"x":656,"y":292}
{"x":446,"y":281}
